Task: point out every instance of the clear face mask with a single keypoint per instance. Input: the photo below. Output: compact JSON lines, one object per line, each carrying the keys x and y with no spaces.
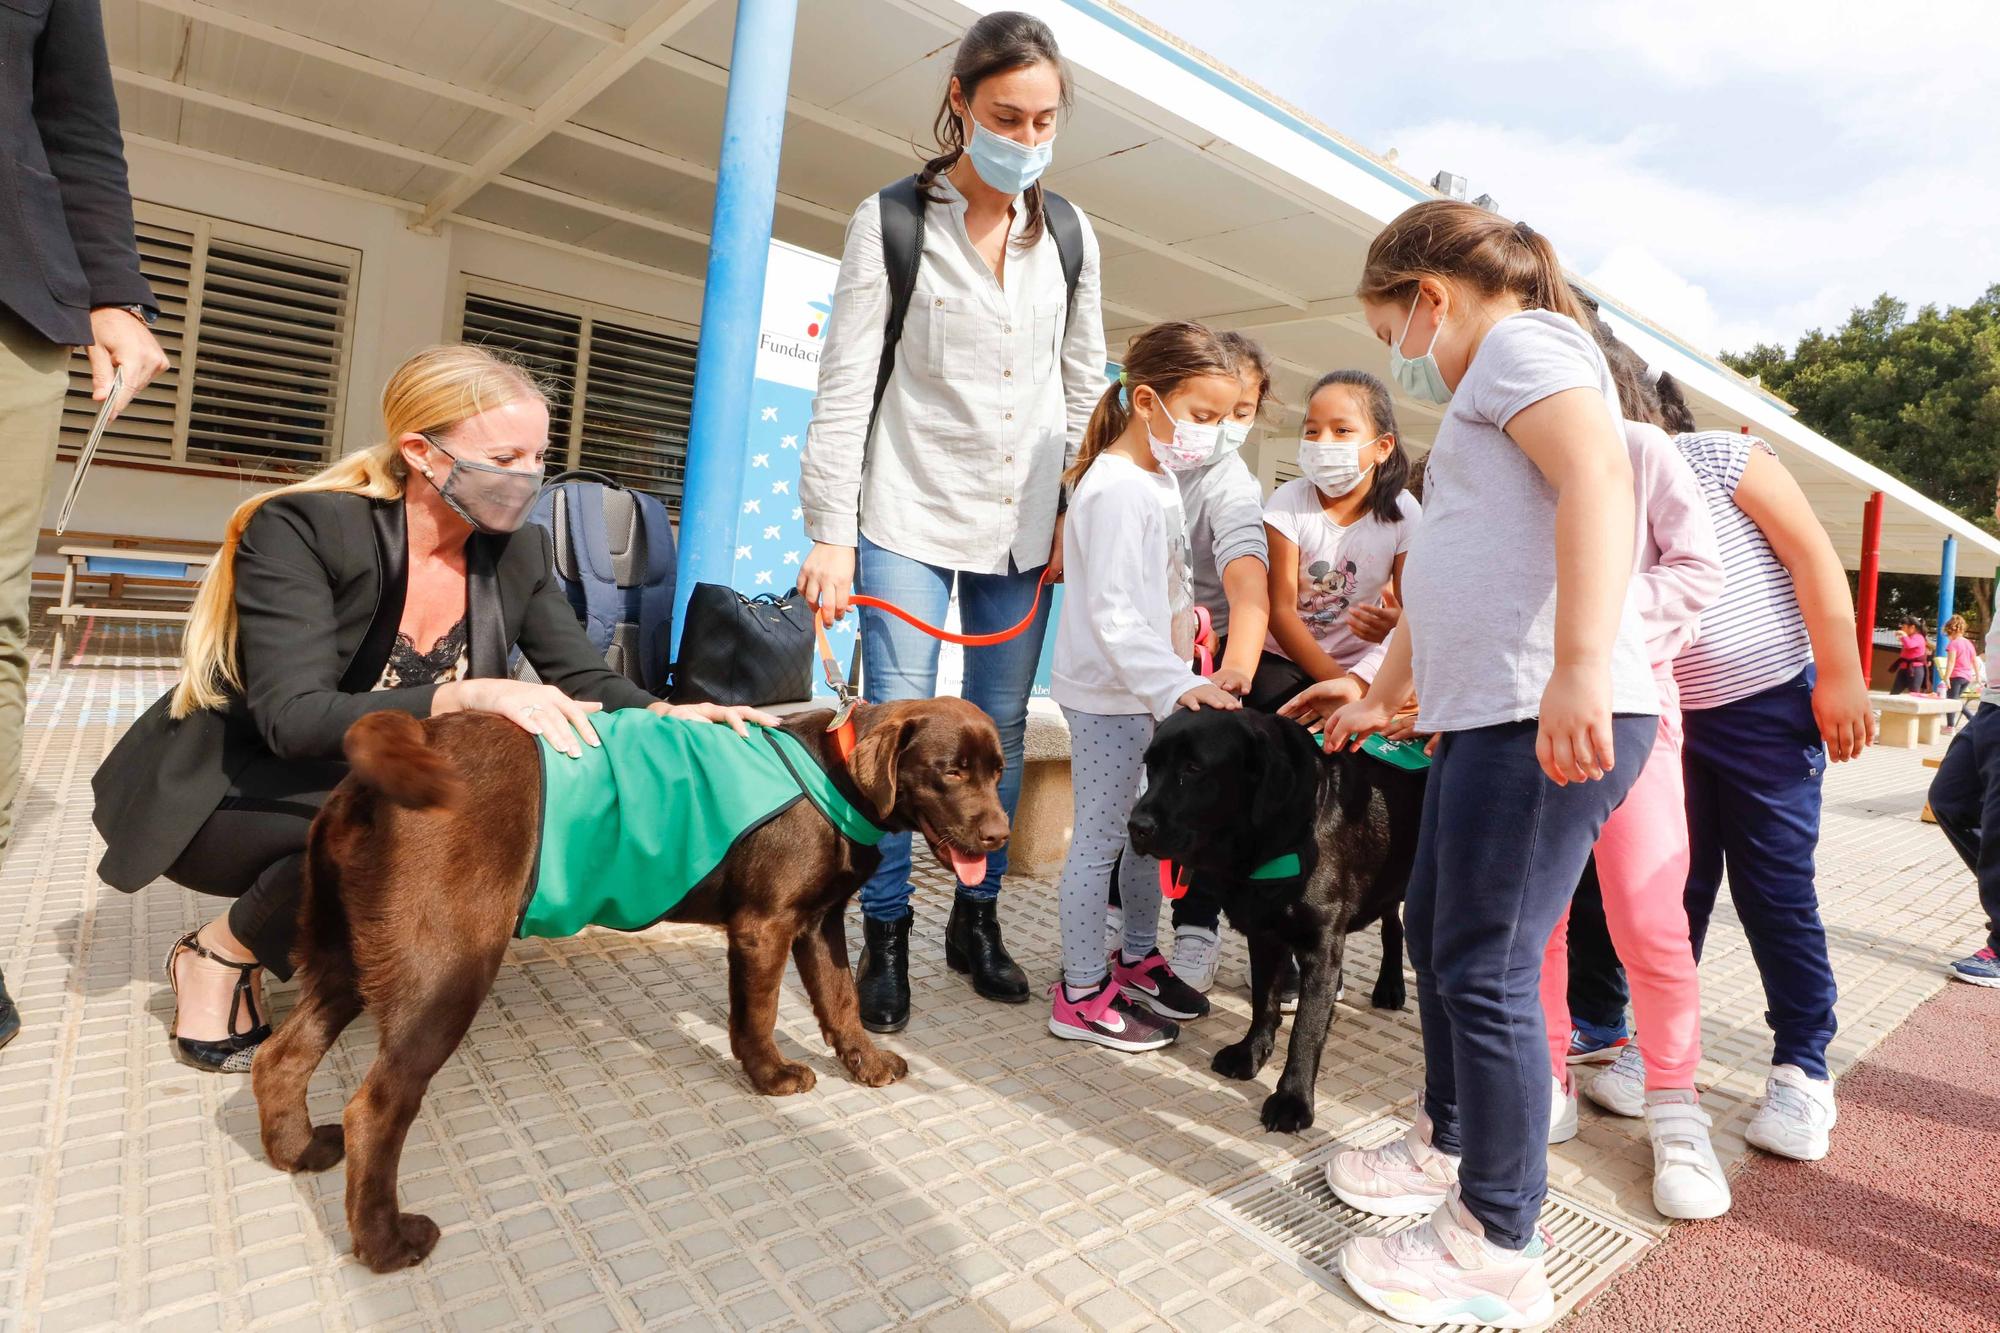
{"x":493,"y":499}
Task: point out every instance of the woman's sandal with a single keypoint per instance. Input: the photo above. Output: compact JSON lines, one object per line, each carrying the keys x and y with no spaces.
{"x":231,"y":1054}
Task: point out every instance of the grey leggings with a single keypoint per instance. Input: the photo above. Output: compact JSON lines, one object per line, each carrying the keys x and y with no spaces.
{"x":1107,"y":761}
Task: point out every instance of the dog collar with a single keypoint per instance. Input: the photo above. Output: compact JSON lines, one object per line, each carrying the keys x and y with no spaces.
{"x":1287,"y":866}
{"x":1407,"y":755}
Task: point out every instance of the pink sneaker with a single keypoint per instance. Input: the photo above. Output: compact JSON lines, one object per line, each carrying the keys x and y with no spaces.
{"x":1405,"y":1177}
{"x":1443,"y":1270}
{"x":1151,"y":981}
{"x":1106,"y":1017}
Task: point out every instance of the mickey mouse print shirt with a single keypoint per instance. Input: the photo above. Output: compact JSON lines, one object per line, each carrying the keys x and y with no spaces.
{"x":1339,"y":568}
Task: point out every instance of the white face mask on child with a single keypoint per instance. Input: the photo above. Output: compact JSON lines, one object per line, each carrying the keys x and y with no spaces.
{"x":1335,"y":466}
{"x":1191,"y":446}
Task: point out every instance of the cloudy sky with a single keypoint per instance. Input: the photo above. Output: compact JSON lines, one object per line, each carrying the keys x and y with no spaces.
{"x":1738,"y":170}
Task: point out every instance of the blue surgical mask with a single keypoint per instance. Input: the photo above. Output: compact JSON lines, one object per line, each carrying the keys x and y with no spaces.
{"x":1235,"y":434}
{"x":1418,"y":376}
{"x":1007,"y":166}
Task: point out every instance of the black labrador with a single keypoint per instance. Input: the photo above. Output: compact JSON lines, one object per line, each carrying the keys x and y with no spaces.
{"x":1300,"y":847}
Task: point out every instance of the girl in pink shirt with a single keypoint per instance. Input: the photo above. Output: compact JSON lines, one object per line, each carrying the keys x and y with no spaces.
{"x":1641,"y":856}
{"x":1913,"y":666}
{"x":1962,"y":668}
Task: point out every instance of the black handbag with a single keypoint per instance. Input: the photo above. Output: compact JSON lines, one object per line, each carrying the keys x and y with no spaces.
{"x":753,"y":651}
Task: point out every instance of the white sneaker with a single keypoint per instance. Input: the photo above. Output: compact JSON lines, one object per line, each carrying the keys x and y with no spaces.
{"x":1620,"y":1088}
{"x":1114,"y":927}
{"x":1195,"y":953}
{"x":1687,"y":1179}
{"x":1562,"y":1111}
{"x":1797,"y":1117}
{"x":1445,"y":1271}
{"x":1405,"y":1177}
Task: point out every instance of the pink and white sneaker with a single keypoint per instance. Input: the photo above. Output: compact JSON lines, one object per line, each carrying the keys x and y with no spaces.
{"x":1151,"y":981}
{"x":1405,"y":1177}
{"x":1106,"y":1017}
{"x":1444,"y":1271}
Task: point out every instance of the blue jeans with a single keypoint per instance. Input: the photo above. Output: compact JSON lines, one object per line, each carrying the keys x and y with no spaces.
{"x":1754,"y":769}
{"x":899,"y":661}
{"x":1499,"y":851}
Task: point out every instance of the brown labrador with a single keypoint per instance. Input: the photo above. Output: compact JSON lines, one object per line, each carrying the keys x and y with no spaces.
{"x":417,"y":870}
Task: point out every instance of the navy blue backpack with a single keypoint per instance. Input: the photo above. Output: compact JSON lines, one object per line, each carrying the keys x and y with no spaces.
{"x":614,"y":560}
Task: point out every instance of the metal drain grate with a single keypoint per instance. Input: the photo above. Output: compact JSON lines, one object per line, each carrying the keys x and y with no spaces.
{"x":1295,"y":1217}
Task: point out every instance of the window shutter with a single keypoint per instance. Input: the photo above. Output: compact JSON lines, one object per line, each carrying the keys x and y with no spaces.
{"x":636,"y":404}
{"x":268,"y":360}
{"x":548,"y":342}
{"x":145,"y":429}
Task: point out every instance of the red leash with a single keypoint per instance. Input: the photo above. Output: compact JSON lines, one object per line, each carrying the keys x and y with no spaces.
{"x":964,"y":640}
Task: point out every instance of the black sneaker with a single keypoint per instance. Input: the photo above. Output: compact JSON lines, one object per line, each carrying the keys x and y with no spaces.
{"x":1151,"y":982}
{"x":1106,"y":1017}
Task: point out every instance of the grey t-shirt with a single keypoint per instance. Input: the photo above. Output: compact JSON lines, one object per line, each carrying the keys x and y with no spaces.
{"x":1225,"y":520}
{"x":1479,"y":584}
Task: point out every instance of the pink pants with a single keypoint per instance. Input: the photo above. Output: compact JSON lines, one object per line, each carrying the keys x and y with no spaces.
{"x":1642,"y":865}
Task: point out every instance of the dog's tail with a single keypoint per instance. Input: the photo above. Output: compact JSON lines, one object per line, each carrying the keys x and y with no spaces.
{"x":390,"y":756}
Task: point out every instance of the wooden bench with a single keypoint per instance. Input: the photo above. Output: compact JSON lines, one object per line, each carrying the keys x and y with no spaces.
{"x":1910,"y":720}
{"x":180,"y":570}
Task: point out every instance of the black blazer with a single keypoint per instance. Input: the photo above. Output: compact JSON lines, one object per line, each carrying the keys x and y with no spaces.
{"x":320,"y":579}
{"x":65,"y":207}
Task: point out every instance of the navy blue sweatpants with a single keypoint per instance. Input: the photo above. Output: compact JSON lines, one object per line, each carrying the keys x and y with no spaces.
{"x":1965,"y":797}
{"x":1754,"y":770}
{"x":1499,"y":852}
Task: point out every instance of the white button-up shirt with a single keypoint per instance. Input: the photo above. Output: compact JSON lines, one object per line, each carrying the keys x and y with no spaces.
{"x":991,"y":390}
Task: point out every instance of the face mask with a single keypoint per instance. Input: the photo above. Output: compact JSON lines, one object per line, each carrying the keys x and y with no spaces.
{"x":1418,"y":376}
{"x":1234,"y":435}
{"x":1007,"y":166}
{"x":492,"y":499}
{"x":1335,"y":467}
{"x":1191,"y":446}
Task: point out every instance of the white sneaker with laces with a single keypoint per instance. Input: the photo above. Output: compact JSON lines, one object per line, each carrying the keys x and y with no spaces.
{"x":1195,"y":953}
{"x":1114,"y":927}
{"x":1562,"y":1111}
{"x":1797,"y":1117}
{"x":1687,"y":1179}
{"x":1444,"y":1271}
{"x":1620,"y":1088}
{"x":1405,"y":1177}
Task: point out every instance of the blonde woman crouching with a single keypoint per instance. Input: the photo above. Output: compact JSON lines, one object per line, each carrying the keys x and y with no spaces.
{"x":354,"y":590}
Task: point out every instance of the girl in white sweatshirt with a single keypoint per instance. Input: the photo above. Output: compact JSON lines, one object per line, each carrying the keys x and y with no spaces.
{"x":1122,"y":665}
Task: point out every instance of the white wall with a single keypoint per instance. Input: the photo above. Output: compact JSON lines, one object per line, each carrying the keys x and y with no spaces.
{"x":405,"y":297}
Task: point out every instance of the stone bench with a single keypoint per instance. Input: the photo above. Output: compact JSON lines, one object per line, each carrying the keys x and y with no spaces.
{"x":1910,"y":720}
{"x":1042,"y":827}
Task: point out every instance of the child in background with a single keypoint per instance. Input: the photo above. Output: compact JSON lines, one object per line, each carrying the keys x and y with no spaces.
{"x":1913,"y":664}
{"x":1962,"y":669}
{"x":1641,"y":858}
{"x":1771,"y":690}
{"x":1225,"y":521}
{"x":1338,"y":533}
{"x":1529,"y":665}
{"x":1121,"y":665}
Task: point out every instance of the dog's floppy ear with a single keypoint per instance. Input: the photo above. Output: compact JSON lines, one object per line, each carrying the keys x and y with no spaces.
{"x":873,"y":764}
{"x":1281,"y":774}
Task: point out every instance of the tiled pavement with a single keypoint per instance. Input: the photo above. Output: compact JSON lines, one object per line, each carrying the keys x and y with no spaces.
{"x":596,"y":1160}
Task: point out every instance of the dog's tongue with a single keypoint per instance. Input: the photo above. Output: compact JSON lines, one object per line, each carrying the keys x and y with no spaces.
{"x":971,"y":870}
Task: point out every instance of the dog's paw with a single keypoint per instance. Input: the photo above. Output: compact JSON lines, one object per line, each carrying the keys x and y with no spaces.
{"x":328,"y":1146}
{"x":1287,"y":1112}
{"x":875,"y":1067}
{"x":782,"y":1080}
{"x":1386,"y":996}
{"x":1240,"y":1060}
{"x":407,"y":1240}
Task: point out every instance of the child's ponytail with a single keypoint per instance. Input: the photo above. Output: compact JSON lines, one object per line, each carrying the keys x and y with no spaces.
{"x":1161,"y":358}
{"x":1447,"y":239}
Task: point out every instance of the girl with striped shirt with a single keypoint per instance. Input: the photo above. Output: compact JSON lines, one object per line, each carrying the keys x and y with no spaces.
{"x":1772,"y":691}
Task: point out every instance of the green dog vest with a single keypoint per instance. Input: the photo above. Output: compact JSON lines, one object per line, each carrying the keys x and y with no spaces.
{"x":633,"y":825}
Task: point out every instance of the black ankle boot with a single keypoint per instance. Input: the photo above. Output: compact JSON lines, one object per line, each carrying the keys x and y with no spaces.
{"x":882,"y":977}
{"x":972,"y":945}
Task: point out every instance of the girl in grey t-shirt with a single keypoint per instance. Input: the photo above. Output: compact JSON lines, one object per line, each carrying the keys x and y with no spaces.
{"x":1528,"y":664}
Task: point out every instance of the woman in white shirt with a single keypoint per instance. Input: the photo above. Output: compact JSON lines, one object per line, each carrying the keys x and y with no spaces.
{"x":957,"y":483}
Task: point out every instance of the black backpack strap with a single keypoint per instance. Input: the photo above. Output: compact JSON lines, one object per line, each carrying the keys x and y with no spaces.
{"x":1059,"y":216}
{"x":902,"y":206}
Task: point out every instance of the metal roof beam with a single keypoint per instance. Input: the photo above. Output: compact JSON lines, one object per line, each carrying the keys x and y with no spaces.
{"x":602,"y":209}
{"x":229,"y":20}
{"x":636,"y":43}
{"x":549,"y":12}
{"x":682,"y":166}
{"x":283,"y":119}
{"x":1278,"y":316}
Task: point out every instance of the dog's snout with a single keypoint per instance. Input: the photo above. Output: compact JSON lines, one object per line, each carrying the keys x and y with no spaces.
{"x":1142,"y":826}
{"x":993,"y":832}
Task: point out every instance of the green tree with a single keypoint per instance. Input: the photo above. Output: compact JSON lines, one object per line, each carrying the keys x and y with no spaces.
{"x":1917,"y":396}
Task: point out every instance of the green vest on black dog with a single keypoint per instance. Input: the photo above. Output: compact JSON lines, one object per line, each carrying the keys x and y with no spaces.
{"x":633,"y":825}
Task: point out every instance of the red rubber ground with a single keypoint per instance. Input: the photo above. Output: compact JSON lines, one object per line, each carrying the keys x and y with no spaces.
{"x":1896,"y":1231}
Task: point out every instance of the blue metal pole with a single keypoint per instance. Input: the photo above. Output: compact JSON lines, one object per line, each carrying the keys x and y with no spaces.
{"x":746,"y":193}
{"x":1947,"y":578}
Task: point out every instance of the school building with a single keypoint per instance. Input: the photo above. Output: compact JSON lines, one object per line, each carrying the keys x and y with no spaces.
{"x":323,"y":188}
